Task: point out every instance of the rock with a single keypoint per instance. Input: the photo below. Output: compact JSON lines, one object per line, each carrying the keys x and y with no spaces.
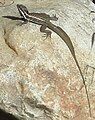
{"x":39,"y":79}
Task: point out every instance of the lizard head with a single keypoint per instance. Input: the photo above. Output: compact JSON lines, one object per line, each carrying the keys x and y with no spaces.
{"x":22,"y":10}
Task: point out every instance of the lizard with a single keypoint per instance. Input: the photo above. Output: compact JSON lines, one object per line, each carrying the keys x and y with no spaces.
{"x":44,"y":20}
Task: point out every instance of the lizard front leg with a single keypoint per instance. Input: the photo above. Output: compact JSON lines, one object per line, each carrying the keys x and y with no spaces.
{"x":43,"y":29}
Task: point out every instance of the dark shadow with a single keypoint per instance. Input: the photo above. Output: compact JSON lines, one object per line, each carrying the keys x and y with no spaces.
{"x":6,"y":116}
{"x":93,"y":1}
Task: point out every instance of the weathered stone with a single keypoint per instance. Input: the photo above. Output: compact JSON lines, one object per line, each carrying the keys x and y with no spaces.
{"x":39,"y":79}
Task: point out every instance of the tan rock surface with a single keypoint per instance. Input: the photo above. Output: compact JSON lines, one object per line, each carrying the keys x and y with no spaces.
{"x":39,"y":79}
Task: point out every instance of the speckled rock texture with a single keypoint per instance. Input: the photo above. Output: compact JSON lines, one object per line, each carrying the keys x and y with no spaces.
{"x":39,"y":79}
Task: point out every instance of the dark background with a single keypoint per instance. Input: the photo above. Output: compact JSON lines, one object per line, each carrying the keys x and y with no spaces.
{"x":93,"y":1}
{"x":6,"y":116}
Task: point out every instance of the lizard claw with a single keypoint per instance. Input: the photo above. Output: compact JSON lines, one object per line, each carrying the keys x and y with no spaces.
{"x":53,"y":17}
{"x":46,"y":36}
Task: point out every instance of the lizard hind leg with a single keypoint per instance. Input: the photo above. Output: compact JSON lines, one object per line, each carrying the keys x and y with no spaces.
{"x":47,"y":32}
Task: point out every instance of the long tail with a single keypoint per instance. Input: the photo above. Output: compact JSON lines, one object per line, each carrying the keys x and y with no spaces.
{"x":84,"y":86}
{"x":68,"y":42}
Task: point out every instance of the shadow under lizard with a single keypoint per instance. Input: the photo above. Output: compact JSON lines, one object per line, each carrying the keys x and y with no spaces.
{"x":44,"y":20}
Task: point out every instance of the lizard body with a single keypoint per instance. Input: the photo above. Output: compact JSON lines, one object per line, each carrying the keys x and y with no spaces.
{"x":44,"y":20}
